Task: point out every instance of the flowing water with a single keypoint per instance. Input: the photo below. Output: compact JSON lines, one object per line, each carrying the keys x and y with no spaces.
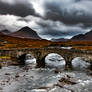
{"x":30,"y":79}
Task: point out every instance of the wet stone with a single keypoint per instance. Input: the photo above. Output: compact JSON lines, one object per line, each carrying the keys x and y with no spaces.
{"x":67,"y":80}
{"x":7,"y":74}
{"x":58,"y":71}
{"x":17,"y":75}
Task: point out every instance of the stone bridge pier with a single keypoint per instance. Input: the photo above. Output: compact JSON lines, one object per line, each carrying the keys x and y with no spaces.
{"x":68,"y":61}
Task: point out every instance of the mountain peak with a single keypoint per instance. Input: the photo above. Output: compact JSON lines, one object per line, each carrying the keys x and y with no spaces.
{"x":26,"y":32}
{"x":26,"y":27}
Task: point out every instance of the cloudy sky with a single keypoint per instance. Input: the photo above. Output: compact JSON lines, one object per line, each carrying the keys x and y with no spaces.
{"x":49,"y":18}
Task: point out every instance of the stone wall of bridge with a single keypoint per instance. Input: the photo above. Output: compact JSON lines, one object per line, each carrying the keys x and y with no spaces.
{"x":40,"y":54}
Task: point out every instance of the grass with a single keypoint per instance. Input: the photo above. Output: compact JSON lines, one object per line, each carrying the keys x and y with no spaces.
{"x":14,"y":42}
{"x":5,"y":57}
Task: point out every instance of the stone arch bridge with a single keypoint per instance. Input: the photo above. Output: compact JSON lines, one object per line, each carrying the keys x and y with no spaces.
{"x":41,"y":53}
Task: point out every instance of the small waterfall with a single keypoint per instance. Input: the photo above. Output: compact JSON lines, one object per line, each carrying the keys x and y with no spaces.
{"x":54,"y":60}
{"x":30,"y":59}
{"x":79,"y":64}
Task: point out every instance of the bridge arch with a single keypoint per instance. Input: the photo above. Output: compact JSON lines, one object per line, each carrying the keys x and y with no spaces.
{"x":67,"y":57}
{"x":54,"y":60}
{"x":25,"y":57}
{"x":80,"y":63}
{"x":41,"y":62}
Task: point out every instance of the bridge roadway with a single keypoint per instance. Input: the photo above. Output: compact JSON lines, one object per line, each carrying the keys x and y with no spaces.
{"x":41,"y":53}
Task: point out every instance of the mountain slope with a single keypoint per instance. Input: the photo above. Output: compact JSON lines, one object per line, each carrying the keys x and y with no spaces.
{"x":26,"y":32}
{"x":87,"y":36}
{"x":1,"y":34}
{"x":6,"y":31}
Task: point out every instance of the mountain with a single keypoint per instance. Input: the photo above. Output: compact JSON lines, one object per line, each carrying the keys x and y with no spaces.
{"x":87,"y":36}
{"x":6,"y":31}
{"x":58,"y":40}
{"x":26,"y":32}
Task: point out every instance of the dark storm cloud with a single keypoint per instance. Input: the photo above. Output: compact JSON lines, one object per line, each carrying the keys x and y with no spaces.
{"x":69,"y":11}
{"x":55,"y":33}
{"x":19,"y":9}
{"x":59,"y":29}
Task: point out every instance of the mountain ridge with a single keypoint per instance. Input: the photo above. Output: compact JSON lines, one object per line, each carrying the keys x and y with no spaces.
{"x":87,"y":36}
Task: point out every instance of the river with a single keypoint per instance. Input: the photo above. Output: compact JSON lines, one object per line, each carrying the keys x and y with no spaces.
{"x":30,"y":79}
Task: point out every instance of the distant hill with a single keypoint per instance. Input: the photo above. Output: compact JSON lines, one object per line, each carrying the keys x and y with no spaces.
{"x":58,"y":40}
{"x":5,"y":31}
{"x":87,"y":36}
{"x":26,"y":32}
